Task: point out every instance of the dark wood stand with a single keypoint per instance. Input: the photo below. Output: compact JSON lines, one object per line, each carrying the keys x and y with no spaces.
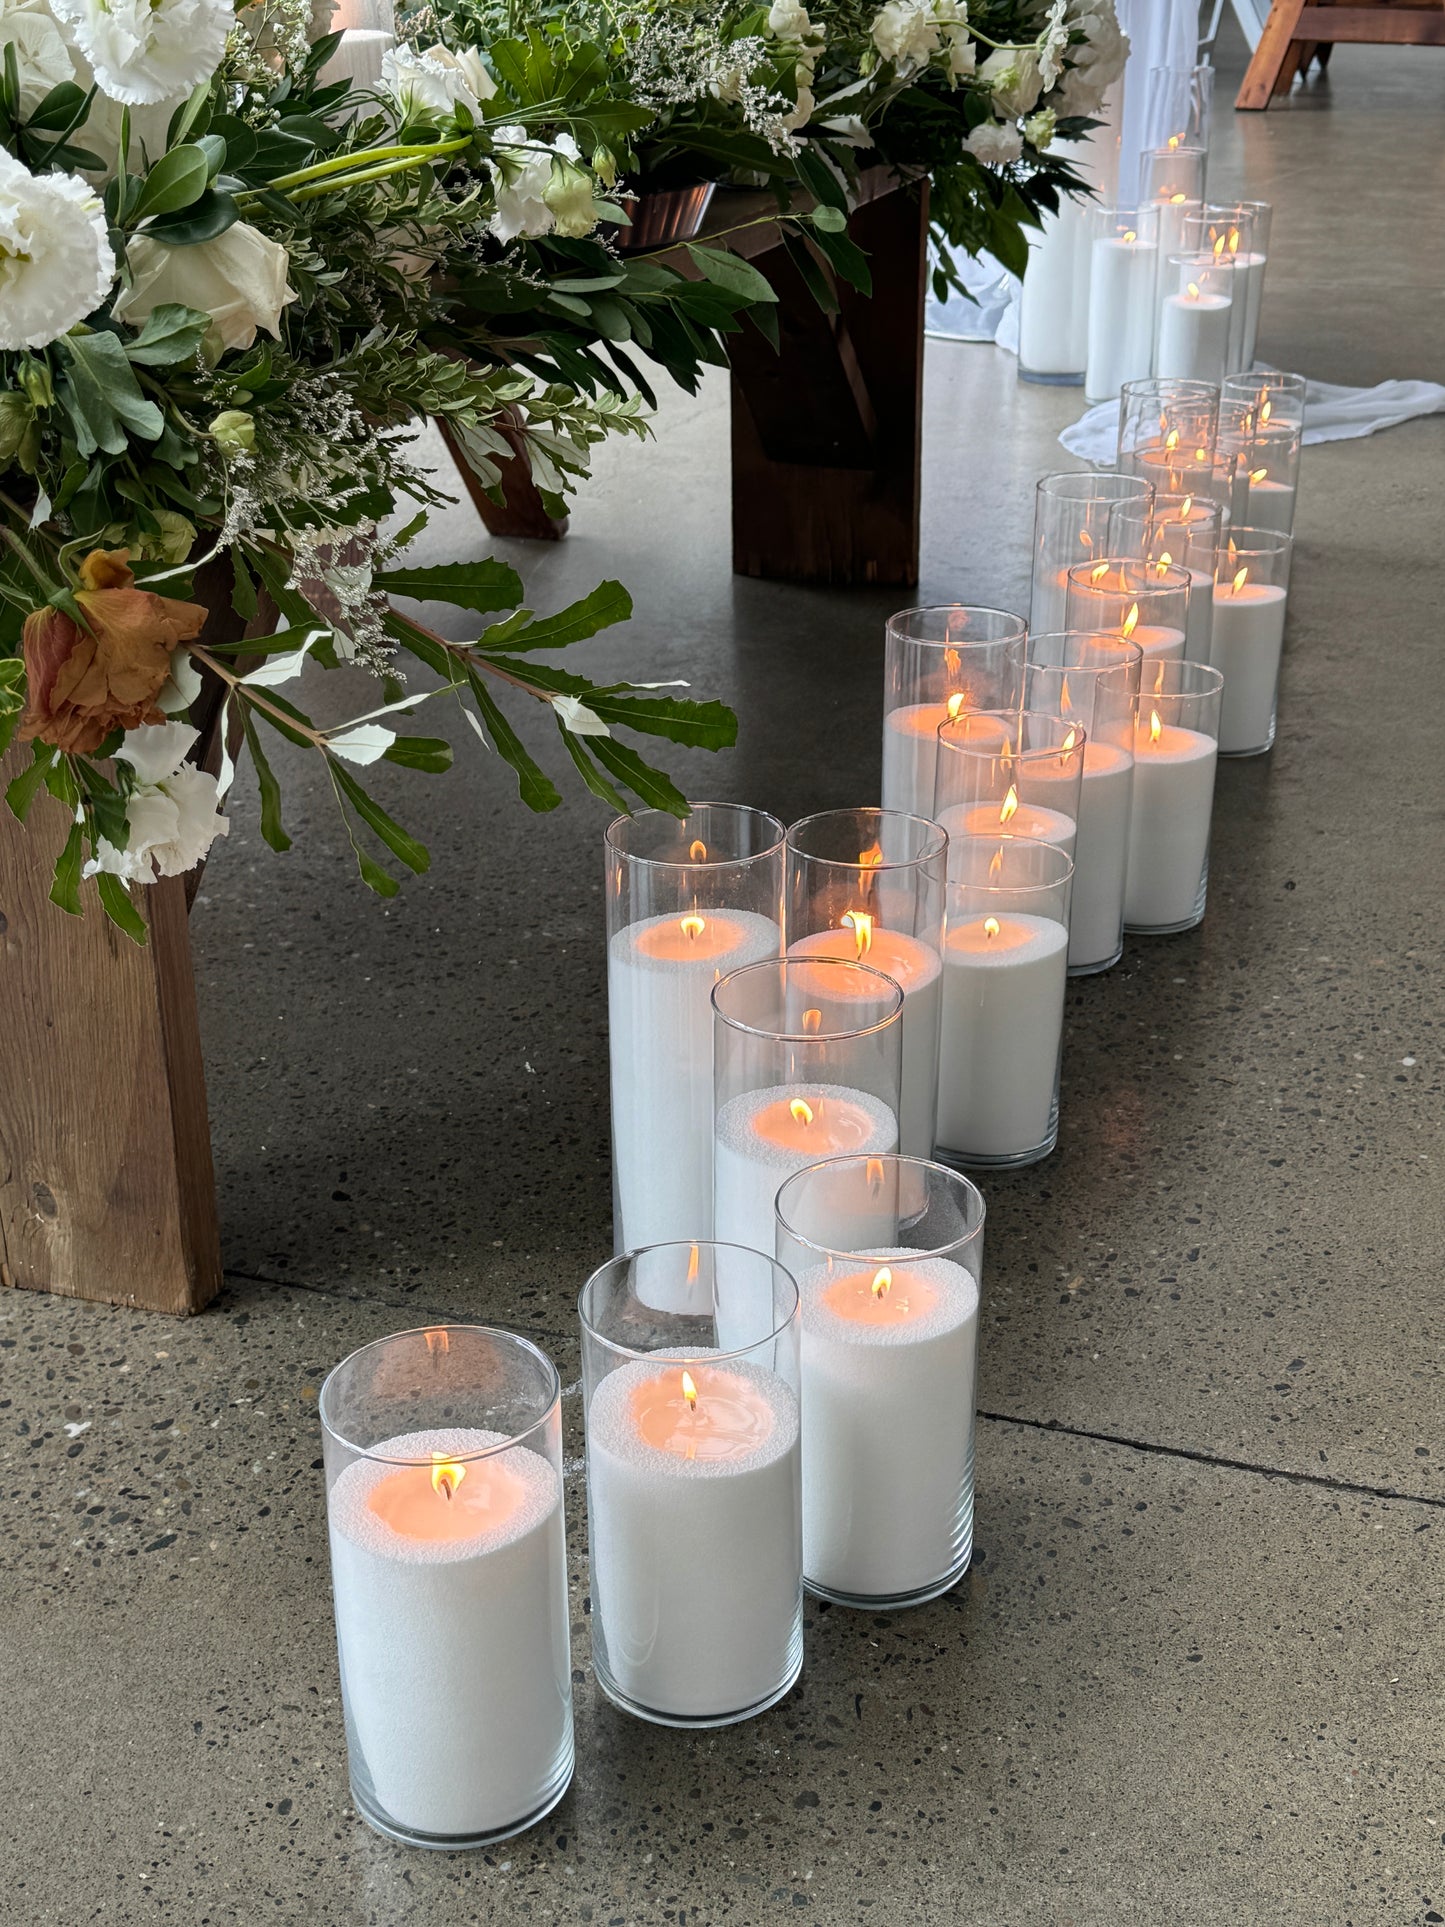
{"x":1297,"y":32}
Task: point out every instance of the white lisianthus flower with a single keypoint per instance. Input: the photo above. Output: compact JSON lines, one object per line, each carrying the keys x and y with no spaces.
{"x":994,"y":144}
{"x":1039,"y":128}
{"x":522,"y":172}
{"x":239,"y":280}
{"x":171,"y":824}
{"x":568,"y":193}
{"x":42,"y":59}
{"x":1055,"y":40}
{"x":156,"y":751}
{"x":789,"y":21}
{"x":1012,"y":75}
{"x":906,"y":32}
{"x":1098,"y":62}
{"x":56,"y":264}
{"x":436,"y":80}
{"x":148,"y":50}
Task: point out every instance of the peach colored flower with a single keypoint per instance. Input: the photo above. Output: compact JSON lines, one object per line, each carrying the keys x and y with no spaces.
{"x":83,"y":683}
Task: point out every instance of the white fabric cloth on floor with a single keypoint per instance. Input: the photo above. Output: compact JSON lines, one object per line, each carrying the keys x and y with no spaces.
{"x":1332,"y":414}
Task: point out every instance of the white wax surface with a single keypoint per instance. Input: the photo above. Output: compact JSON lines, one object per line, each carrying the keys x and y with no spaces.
{"x":749,"y":1167}
{"x":1248,"y":271}
{"x":1159,"y":641}
{"x":1096,"y":905}
{"x":1193,"y":337}
{"x":660,"y":1031}
{"x":696,"y":1563}
{"x":910,"y":756}
{"x":916,"y":968}
{"x":888,"y":1426}
{"x":454,"y":1652}
{"x":1054,"y":310}
{"x":1121,"y":315}
{"x":1030,"y":819}
{"x":1248,"y":639}
{"x":1168,"y":826}
{"x":1269,"y":505}
{"x":1003,"y":1012}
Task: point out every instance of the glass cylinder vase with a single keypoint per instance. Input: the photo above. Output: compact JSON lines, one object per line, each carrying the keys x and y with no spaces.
{"x":937,"y":661}
{"x":690,"y":1377}
{"x":890,"y":1366}
{"x":1011,"y":773}
{"x":1005,"y":961}
{"x":1142,"y":602}
{"x":1073,"y":520}
{"x":1264,"y":459}
{"x":1274,"y":395}
{"x":1123,"y":277}
{"x":1196,"y":317}
{"x":1183,"y":531}
{"x":443,"y":1454}
{"x":867,"y":886}
{"x":809,"y":1059}
{"x":1176,"y":748}
{"x":1251,"y":597}
{"x":687,"y":901}
{"x":1167,"y":434}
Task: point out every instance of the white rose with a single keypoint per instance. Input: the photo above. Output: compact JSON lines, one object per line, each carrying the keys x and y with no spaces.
{"x":148,"y":50}
{"x":436,"y":81}
{"x":239,"y":280}
{"x":56,"y":264}
{"x":568,"y":193}
{"x":995,"y":145}
{"x":521,"y":174}
{"x":171,"y":825}
{"x":962,"y":53}
{"x":906,"y":33}
{"x":788,"y":20}
{"x":42,"y":60}
{"x":1012,"y":74}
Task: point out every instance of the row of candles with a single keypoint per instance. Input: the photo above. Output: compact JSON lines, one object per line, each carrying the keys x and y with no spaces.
{"x":813,"y":1031}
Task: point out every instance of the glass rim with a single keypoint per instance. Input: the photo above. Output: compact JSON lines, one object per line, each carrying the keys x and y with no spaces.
{"x":1172,"y":579}
{"x":612,"y":838}
{"x":1265,"y":542}
{"x":1210,"y":680}
{"x":935,"y":838}
{"x":1125,"y":653}
{"x":1211,"y":511}
{"x":807,"y":1036}
{"x":711,"y":1355}
{"x":898,"y":1159}
{"x":1022,"y":842}
{"x":1180,"y":388}
{"x":514,"y":1339}
{"x":891,"y":626}
{"x":1094,"y":476}
{"x":1063,"y":724}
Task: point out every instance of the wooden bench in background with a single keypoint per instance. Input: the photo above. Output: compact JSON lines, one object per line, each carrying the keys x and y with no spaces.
{"x":1297,"y":32}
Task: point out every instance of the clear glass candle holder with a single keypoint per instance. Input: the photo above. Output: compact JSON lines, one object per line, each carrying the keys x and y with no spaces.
{"x":1264,"y":458}
{"x":1232,"y":230}
{"x":690,"y":1379}
{"x":443,"y":1454}
{"x":1270,"y":396}
{"x":1251,"y":597}
{"x":687,"y":901}
{"x":1167,"y":434}
{"x":1181,"y":531}
{"x":1176,"y":748}
{"x":1073,"y":519}
{"x":1011,"y":773}
{"x":1171,"y":175}
{"x":937,"y":661}
{"x":1262,"y":215}
{"x":808,"y":1059}
{"x":867,"y":886}
{"x":1142,"y":602}
{"x":1093,"y":680}
{"x":1171,"y":111}
{"x":1053,"y":312}
{"x":1123,"y":276}
{"x":1005,"y":963}
{"x":1196,"y":315}
{"x":890,"y":1368}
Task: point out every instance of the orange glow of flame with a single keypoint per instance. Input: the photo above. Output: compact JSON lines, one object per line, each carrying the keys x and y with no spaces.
{"x":996,"y":863}
{"x":802,"y":1110}
{"x":689,"y":1391}
{"x":1258,"y":474}
{"x":697,"y":851}
{"x":1239,"y":581}
{"x":952,"y":661}
{"x":1159,"y":678}
{"x":1010,"y":805}
{"x":1171,"y":440}
{"x":1064,"y":702}
{"x":1086,"y":540}
{"x":446,"y":1475}
{"x":439,"y":1341}
{"x":873,"y":1171}
{"x":1156,"y":728}
{"x":1265,"y":413}
{"x":692,"y":1266}
{"x":882,"y":1280}
{"x":1130,"y":623}
{"x":692,"y":927}
{"x":862,"y":924}
{"x":954,"y":704}
{"x":1219,"y":247}
{"x":1234,"y":240}
{"x":990,"y":927}
{"x":812,"y":1022}
{"x":1201,"y":454}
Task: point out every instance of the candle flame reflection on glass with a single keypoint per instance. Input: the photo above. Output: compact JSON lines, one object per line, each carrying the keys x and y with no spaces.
{"x":812,"y":1022}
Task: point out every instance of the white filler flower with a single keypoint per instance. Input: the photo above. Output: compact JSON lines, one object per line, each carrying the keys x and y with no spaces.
{"x":172,"y":825}
{"x":56,"y":264}
{"x":148,"y":50}
{"x":239,"y":280}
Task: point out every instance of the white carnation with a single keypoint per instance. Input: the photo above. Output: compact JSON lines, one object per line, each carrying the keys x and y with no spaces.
{"x":1055,"y":40}
{"x":42,"y":59}
{"x":995,"y":145}
{"x":906,"y":32}
{"x":171,"y":826}
{"x":148,"y":50}
{"x":238,"y":279}
{"x":56,"y":264}
{"x":437,"y":80}
{"x":521,"y":174}
{"x":1012,"y":74}
{"x":156,"y":751}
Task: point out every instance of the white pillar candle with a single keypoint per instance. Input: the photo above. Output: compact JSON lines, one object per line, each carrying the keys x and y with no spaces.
{"x":916,"y":968}
{"x":1199,"y":622}
{"x":888,"y":1377}
{"x":1024,"y":819}
{"x":1053,"y":310}
{"x":660,"y":978}
{"x":1248,"y":640}
{"x":1193,"y":336}
{"x":1249,"y":271}
{"x":1003,"y":1011}
{"x":1269,"y":504}
{"x":695,"y":1511}
{"x":1121,"y":319}
{"x":910,"y":751}
{"x":1101,"y":851}
{"x":451,"y":1622}
{"x":1168,"y":824}
{"x":1159,"y":641}
{"x":764,"y":1136}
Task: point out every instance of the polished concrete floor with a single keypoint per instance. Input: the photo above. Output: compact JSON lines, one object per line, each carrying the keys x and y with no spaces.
{"x":1195,"y":1672}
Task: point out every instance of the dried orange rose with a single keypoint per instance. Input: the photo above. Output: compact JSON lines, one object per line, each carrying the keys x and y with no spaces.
{"x":83,"y":685}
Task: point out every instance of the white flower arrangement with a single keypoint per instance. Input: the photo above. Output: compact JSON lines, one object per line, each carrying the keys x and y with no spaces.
{"x":144,"y":51}
{"x":56,"y":263}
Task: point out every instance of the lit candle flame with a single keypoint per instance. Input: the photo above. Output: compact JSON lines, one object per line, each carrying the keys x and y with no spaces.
{"x":1201,"y":454}
{"x":1234,"y":240}
{"x":689,"y":1391}
{"x":446,"y":1475}
{"x":1265,"y":413}
{"x":1067,"y":744}
{"x":882,"y":1280}
{"x":692,"y":1266}
{"x":812,"y":1022}
{"x":692,"y":927}
{"x":1010,"y":805}
{"x":1130,"y":235}
{"x":1177,"y":200}
{"x":697,"y":851}
{"x":802,"y":1110}
{"x":1193,"y":291}
{"x":1098,"y":572}
{"x":1171,"y":440}
{"x":1219,"y":247}
{"x":1258,"y":474}
{"x":954,"y":704}
{"x":1164,"y":561}
{"x":862,"y":924}
{"x":1239,"y":581}
{"x":1174,"y":140}
{"x":1156,"y":728}
{"x":1130,"y":623}
{"x":990,"y":927}
{"x":1185,"y":507}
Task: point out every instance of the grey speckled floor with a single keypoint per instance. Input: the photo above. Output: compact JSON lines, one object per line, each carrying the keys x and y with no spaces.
{"x":1195,"y":1673}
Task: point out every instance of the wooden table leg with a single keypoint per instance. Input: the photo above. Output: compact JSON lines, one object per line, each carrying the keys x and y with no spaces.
{"x":826,"y":434}
{"x":523,"y":512}
{"x":1269,"y":56}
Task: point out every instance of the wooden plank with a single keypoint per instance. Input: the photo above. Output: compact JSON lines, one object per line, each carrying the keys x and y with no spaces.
{"x":523,"y":513}
{"x":1395,"y":25}
{"x":1281,"y":27}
